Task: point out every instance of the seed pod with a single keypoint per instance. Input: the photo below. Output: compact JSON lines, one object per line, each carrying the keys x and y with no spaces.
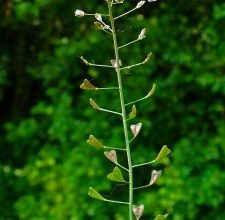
{"x":154,"y":176}
{"x":87,"y":85}
{"x":94,"y":194}
{"x":94,"y":142}
{"x":111,"y":155}
{"x":138,"y":211}
{"x":94,"y":105}
{"x":133,"y":112}
{"x":136,"y":129}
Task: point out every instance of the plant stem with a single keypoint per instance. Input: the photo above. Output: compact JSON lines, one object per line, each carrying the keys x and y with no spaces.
{"x":118,"y":202}
{"x":123,"y":110}
{"x":114,"y":148}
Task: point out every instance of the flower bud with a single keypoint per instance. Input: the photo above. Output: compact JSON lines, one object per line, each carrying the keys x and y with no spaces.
{"x":140,"y":4}
{"x":147,"y":58}
{"x":79,"y":13}
{"x":141,"y":36}
{"x":98,"y":17}
{"x":151,"y":92}
{"x":114,"y":63}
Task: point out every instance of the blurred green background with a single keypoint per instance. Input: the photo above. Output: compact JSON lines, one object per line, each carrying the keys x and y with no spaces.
{"x":46,"y":166}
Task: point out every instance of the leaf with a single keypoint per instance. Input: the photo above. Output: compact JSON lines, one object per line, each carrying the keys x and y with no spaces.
{"x":138,"y":211}
{"x":87,"y":85}
{"x":94,"y":142}
{"x":94,"y":194}
{"x":111,"y":155}
{"x":154,"y":176}
{"x":133,"y":112}
{"x":164,"y":152}
{"x":94,"y":105}
{"x":116,"y":175}
{"x":136,"y":129}
{"x":151,"y":92}
{"x":162,"y":217}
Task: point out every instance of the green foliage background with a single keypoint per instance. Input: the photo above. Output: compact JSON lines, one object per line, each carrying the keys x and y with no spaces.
{"x":46,"y":166}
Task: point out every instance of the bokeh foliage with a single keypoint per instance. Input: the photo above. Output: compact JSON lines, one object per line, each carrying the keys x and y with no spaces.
{"x":46,"y":166}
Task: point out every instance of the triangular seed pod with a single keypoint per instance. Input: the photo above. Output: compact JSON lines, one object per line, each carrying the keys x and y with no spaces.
{"x":138,"y":211}
{"x":94,"y":105}
{"x":136,"y":129}
{"x":151,"y":92}
{"x":94,"y":194}
{"x":116,"y":175}
{"x":162,"y":217}
{"x":94,"y":142}
{"x":154,"y":176}
{"x":164,"y":152}
{"x":133,"y":112}
{"x":111,"y":155}
{"x":87,"y":85}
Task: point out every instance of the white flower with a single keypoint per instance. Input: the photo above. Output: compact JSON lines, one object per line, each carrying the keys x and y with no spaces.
{"x":79,"y":13}
{"x":98,"y":17}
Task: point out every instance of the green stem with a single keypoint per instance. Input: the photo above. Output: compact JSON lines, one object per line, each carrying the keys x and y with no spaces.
{"x":114,"y":148}
{"x":141,"y":187}
{"x":143,"y":164}
{"x":109,"y":111}
{"x":125,"y":45}
{"x":123,"y":110}
{"x":118,"y":202}
{"x":122,"y":167}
